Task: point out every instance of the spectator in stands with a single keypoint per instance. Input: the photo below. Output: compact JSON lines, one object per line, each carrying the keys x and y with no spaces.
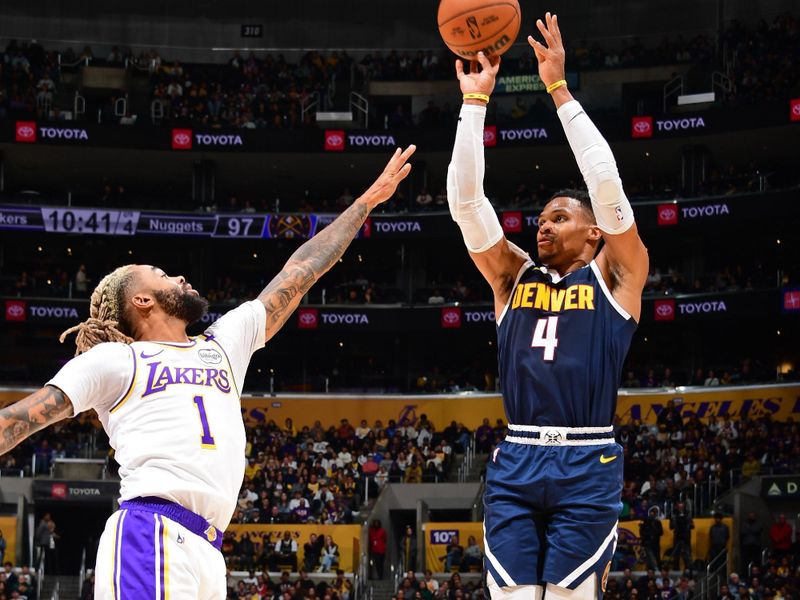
{"x":750,"y":540}
{"x":718,"y":536}
{"x":408,"y":549}
{"x":681,"y":525}
{"x":780,"y":534}
{"x":312,"y":551}
{"x":42,"y":536}
{"x":341,"y":585}
{"x":436,"y":297}
{"x":285,"y":553}
{"x":454,"y":555}
{"x":424,"y":199}
{"x":330,"y":555}
{"x":751,"y":466}
{"x":377,"y":546}
{"x":473,"y":557}
{"x":650,"y":532}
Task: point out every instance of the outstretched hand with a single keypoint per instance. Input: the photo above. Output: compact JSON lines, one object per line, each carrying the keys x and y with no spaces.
{"x":551,"y":57}
{"x":478,"y":81}
{"x":385,"y":185}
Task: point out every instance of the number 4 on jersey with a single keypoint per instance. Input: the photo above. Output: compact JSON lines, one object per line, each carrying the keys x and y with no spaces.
{"x":544,"y":336}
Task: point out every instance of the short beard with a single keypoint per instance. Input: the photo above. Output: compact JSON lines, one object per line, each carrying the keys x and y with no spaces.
{"x":181,"y":305}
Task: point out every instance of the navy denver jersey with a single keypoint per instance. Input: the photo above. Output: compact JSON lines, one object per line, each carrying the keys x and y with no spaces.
{"x":562,"y":342}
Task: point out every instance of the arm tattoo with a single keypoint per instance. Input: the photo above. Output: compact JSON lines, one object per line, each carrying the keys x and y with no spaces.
{"x":31,"y":414}
{"x":310,"y":262}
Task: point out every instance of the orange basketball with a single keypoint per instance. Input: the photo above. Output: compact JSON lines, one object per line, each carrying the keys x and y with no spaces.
{"x":471,"y":26}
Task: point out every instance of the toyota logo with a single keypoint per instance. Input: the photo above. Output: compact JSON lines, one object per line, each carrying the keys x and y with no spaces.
{"x":641,"y":127}
{"x":335,"y":140}
{"x":796,"y":109}
{"x":182,"y":139}
{"x":308,"y":318}
{"x":15,"y":311}
{"x":25,"y":131}
{"x":488,"y":136}
{"x":664,"y":310}
{"x":511,"y":221}
{"x":667,"y":214}
{"x":451,"y":317}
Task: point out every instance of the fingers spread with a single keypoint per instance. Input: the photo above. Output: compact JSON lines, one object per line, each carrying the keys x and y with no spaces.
{"x":484,"y":61}
{"x":403,"y":173}
{"x":548,"y":38}
{"x":459,"y":69}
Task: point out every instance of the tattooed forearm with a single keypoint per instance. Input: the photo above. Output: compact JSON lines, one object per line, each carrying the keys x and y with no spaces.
{"x":31,"y":414}
{"x":311,"y":260}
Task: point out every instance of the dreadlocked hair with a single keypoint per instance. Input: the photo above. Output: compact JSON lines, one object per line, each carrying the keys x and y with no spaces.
{"x":106,"y":322}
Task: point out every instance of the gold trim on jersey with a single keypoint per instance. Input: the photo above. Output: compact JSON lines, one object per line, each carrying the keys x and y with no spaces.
{"x":127,"y":394}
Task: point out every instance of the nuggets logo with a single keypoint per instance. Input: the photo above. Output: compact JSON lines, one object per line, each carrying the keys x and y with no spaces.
{"x":290,"y":226}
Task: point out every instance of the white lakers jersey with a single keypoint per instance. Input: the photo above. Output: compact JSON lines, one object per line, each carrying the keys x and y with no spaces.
{"x":172,"y":411}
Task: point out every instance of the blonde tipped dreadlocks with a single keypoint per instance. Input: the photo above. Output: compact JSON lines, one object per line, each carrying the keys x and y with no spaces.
{"x":105,"y":313}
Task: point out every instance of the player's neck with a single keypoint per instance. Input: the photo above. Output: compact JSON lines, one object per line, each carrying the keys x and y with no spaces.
{"x":168,"y":329}
{"x":565,"y":269}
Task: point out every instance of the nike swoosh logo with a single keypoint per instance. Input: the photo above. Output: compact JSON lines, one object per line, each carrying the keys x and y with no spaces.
{"x":146,"y":356}
{"x":607,"y":459}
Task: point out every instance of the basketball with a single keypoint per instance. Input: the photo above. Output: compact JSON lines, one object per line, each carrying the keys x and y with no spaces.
{"x":472,"y":26}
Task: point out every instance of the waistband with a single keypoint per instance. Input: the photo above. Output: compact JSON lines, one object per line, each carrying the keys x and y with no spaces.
{"x":545,"y":435}
{"x":183,"y":516}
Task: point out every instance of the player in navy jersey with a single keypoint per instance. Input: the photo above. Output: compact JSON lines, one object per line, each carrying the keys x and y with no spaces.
{"x":564,"y":327}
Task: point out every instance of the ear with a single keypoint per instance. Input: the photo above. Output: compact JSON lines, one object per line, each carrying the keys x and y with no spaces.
{"x":143,"y":303}
{"x":594,"y":233}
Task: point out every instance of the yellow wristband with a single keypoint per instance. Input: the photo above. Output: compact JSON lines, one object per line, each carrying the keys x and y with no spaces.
{"x":554,"y":86}
{"x":483,"y":97}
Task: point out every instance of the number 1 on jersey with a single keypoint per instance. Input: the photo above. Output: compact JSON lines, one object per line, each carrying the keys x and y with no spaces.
{"x":544,"y":336}
{"x":206,"y":441}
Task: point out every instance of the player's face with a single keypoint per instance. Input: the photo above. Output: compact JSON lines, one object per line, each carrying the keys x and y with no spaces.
{"x":564,"y":229}
{"x":175,"y":295}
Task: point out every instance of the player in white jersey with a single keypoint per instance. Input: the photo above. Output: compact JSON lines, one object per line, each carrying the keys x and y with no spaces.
{"x":170,"y":405}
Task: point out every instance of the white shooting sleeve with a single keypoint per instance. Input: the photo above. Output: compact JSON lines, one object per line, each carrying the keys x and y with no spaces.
{"x":469,"y":206}
{"x":612,"y":210}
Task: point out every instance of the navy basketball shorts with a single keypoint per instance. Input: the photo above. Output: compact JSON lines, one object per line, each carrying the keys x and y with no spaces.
{"x":552,"y":504}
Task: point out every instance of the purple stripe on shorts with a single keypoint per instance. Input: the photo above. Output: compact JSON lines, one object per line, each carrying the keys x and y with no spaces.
{"x":137,"y":557}
{"x":161,"y":554}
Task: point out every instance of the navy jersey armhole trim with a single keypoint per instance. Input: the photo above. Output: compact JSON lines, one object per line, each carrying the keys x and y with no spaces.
{"x":607,"y":293}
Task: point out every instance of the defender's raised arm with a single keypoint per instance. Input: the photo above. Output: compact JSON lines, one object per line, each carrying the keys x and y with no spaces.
{"x":314,"y":258}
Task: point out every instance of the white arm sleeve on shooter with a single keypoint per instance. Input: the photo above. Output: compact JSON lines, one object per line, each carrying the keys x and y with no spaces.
{"x":241,"y":332}
{"x":98,"y":378}
{"x":469,"y":206}
{"x":612,"y":210}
